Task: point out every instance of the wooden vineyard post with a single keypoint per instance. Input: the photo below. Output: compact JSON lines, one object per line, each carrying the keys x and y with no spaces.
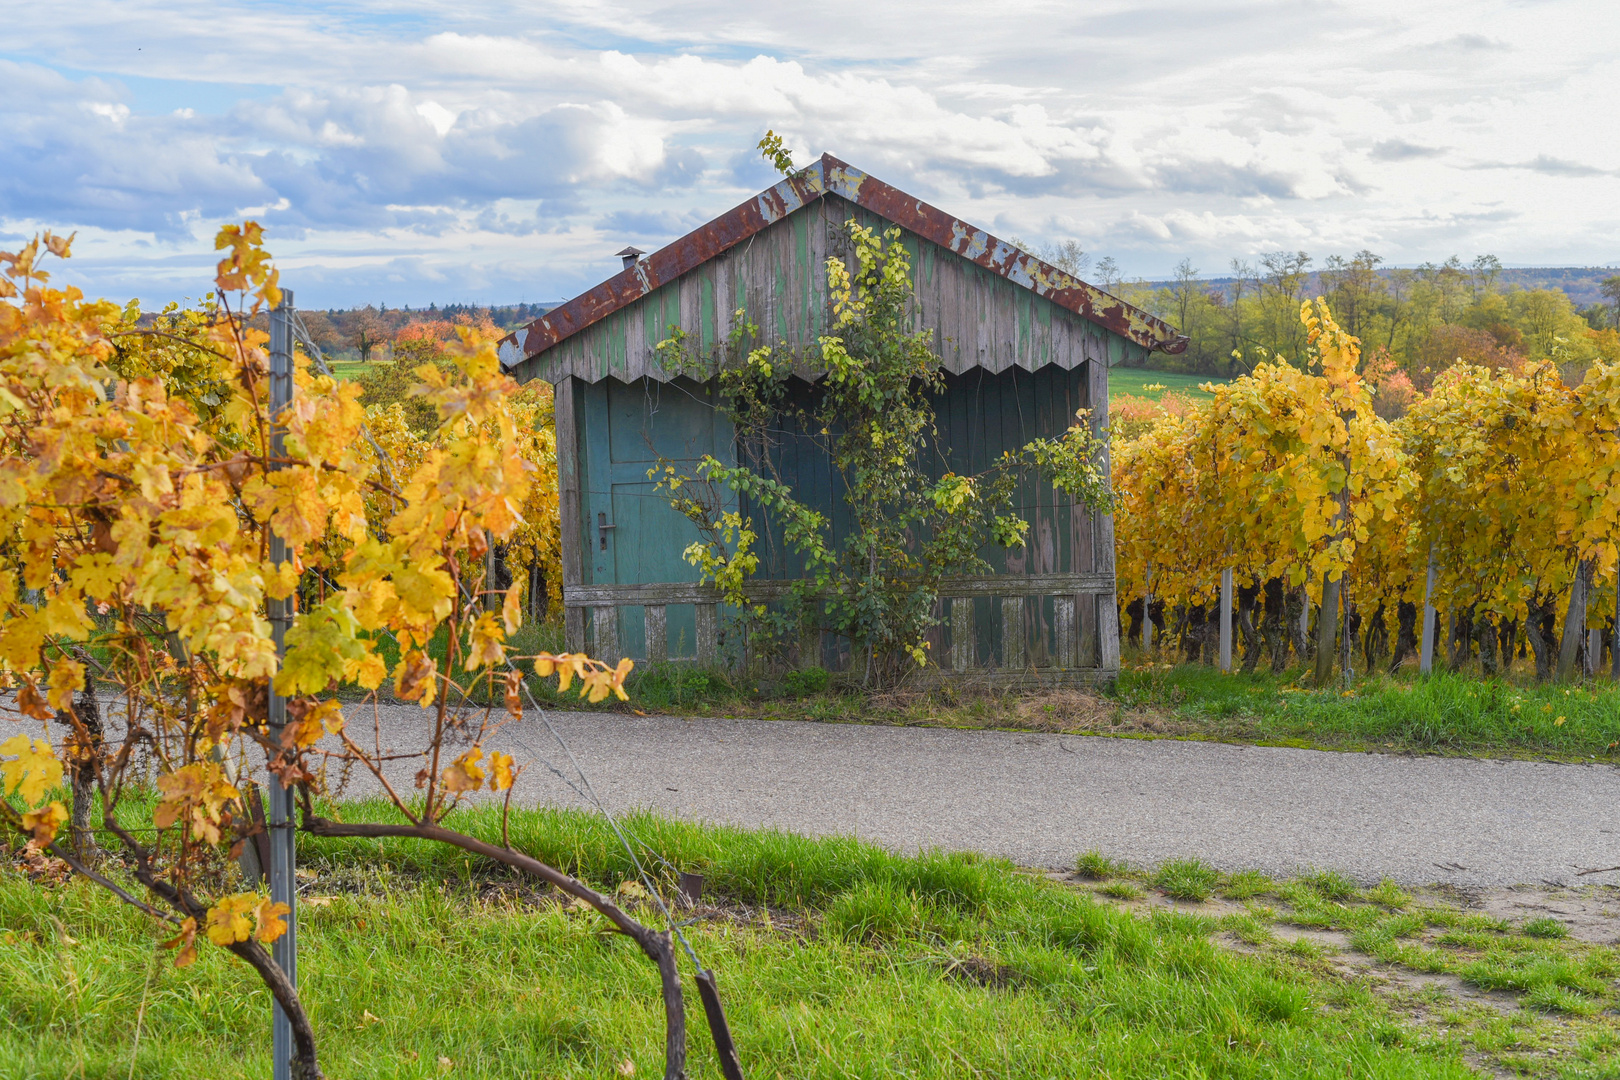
{"x":1147,"y":611}
{"x":1327,"y":628}
{"x":1226,"y":620}
{"x":1304,"y":636}
{"x":1426,"y":649}
{"x":1574,"y":620}
{"x":491,"y":601}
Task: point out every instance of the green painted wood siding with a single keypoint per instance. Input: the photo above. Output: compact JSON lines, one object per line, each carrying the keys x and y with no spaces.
{"x":1018,"y":368}
{"x":778,"y":277}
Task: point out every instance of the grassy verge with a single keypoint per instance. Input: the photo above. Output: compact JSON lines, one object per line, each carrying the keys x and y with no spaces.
{"x":1522,"y":996}
{"x":1445,"y":713}
{"x":838,"y":959}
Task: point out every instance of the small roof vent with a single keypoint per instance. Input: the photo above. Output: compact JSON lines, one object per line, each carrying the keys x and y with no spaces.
{"x":631,"y":256}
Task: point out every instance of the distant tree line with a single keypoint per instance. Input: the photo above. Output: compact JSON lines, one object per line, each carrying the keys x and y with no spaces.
{"x":371,"y":332}
{"x":1414,"y":321}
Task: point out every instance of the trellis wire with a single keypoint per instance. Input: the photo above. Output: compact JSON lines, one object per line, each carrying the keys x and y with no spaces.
{"x":588,"y":792}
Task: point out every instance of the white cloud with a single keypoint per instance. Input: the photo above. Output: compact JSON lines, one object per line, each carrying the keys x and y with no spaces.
{"x":511,"y":147}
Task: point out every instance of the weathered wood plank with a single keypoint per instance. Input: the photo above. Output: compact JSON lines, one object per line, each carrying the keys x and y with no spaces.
{"x":657,"y":622}
{"x":1103,"y":529}
{"x":605,"y":625}
{"x":962,"y":658}
{"x":977,"y":316}
{"x":1086,"y":632}
{"x":809,"y":644}
{"x":1063,"y":632}
{"x":1013,"y":649}
{"x":708,"y":634}
{"x":568,"y":507}
{"x":1108,"y":632}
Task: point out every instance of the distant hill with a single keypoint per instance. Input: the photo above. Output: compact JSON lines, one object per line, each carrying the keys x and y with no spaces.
{"x":1582,"y":284}
{"x":506,"y":316}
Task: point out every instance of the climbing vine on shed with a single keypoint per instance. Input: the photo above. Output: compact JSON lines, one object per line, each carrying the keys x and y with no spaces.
{"x":872,"y":413}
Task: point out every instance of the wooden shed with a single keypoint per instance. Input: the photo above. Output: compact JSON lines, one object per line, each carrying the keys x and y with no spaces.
{"x":1023,"y":344}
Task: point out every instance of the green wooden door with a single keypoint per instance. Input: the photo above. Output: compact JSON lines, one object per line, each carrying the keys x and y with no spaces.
{"x":634,"y":537}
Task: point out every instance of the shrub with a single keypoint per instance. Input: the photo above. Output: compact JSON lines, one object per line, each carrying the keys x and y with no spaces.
{"x":803,"y":683}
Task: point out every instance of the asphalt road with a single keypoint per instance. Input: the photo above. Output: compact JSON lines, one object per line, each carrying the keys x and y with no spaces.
{"x":1041,"y":799}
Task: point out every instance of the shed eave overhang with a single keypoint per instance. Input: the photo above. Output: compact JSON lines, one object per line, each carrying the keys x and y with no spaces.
{"x":829,"y":175}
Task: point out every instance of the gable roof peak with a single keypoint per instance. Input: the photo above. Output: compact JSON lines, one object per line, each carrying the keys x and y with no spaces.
{"x":830,"y":175}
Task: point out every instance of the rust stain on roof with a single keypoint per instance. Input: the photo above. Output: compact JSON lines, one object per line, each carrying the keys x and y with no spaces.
{"x":830,"y":175}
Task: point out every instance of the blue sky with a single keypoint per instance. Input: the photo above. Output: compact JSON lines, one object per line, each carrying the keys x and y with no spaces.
{"x":498,"y":152}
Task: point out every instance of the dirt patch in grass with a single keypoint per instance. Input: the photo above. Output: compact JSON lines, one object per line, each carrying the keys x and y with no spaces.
{"x":1063,"y":711}
{"x":982,"y":972}
{"x":1590,"y":914}
{"x":1524,"y":981}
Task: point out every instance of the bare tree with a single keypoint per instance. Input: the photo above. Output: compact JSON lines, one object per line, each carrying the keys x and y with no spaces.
{"x":366,"y":330}
{"x":1108,"y":274}
{"x":1611,"y":290}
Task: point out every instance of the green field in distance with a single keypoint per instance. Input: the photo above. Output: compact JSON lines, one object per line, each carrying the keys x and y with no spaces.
{"x":1134,"y":381}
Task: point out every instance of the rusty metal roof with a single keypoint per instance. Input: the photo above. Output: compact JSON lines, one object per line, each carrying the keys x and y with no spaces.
{"x":832,"y":176}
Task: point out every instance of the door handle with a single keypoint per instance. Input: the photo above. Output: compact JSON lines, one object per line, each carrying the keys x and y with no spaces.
{"x":602,"y":527}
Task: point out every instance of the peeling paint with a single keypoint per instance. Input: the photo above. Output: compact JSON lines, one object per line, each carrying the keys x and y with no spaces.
{"x":832,"y":176}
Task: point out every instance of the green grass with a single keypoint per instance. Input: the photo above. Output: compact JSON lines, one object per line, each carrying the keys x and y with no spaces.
{"x":1444,"y":712}
{"x":868,"y":964}
{"x":1537,"y":960}
{"x":1099,"y":867}
{"x":1136,"y":381}
{"x":1186,"y":879}
{"x":1556,"y":999}
{"x":1546,"y":927}
{"x":353,"y":369}
{"x":1121,"y":890}
{"x":1245,"y":884}
{"x":1330,"y":885}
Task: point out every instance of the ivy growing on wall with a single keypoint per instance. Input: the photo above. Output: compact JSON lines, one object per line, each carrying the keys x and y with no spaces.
{"x":870,"y":409}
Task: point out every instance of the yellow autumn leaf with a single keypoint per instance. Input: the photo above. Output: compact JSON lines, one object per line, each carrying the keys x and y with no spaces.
{"x":512,"y":610}
{"x":229,"y":920}
{"x":368,"y":671}
{"x":465,"y":774}
{"x":32,"y":770}
{"x":195,"y":794}
{"x":416,"y":679}
{"x":501,"y":774}
{"x":186,"y":942}
{"x":485,"y":643}
{"x":268,"y":917}
{"x":513,"y":696}
{"x":44,"y":823}
{"x":67,"y":678}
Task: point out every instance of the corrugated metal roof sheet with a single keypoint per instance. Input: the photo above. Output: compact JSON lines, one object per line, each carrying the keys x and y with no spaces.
{"x":830,"y":175}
